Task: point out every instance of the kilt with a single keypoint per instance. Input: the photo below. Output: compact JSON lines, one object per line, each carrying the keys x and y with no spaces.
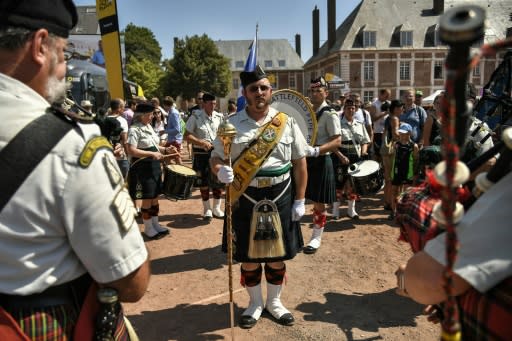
{"x":145,"y":179}
{"x":205,"y":177}
{"x":321,"y":185}
{"x":483,"y":316}
{"x":487,"y":316}
{"x":241,"y":222}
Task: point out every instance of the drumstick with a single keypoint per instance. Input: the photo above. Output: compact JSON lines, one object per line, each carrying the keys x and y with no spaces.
{"x":169,"y":155}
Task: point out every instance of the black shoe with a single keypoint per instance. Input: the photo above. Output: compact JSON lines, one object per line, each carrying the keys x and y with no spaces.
{"x":354,"y":217}
{"x":309,"y":250}
{"x":387,"y":207}
{"x":165,"y":232}
{"x":155,"y":237}
{"x":247,"y":322}
{"x":286,"y":320}
{"x":391,"y":216}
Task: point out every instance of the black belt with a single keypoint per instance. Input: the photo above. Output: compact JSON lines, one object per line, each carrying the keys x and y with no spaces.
{"x":347,"y":142}
{"x":69,"y":293}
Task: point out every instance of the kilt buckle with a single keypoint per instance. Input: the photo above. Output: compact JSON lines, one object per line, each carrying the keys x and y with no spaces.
{"x":264,"y":182}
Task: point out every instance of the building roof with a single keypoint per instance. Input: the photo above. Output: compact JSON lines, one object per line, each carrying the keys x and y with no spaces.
{"x":390,"y":17}
{"x":87,"y":21}
{"x":274,"y":50}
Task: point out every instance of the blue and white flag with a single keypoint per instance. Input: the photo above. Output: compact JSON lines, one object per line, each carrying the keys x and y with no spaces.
{"x":250,"y":65}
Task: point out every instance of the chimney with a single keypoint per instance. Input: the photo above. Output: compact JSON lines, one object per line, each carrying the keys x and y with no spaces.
{"x":438,"y":7}
{"x":331,"y":23}
{"x":297,"y":44}
{"x":316,"y":31}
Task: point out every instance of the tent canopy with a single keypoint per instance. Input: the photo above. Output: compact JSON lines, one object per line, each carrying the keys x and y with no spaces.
{"x":429,"y":100}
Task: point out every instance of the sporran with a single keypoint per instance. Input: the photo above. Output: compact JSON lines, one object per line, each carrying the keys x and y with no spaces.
{"x":266,"y":234}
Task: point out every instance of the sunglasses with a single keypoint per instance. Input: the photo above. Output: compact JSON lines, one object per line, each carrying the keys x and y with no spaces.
{"x":255,"y":88}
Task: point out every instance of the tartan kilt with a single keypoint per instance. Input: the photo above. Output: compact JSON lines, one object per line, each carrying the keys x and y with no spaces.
{"x":487,"y":316}
{"x":241,"y":221}
{"x":483,"y":316}
{"x":321,"y":186}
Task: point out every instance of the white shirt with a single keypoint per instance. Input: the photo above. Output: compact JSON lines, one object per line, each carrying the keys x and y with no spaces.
{"x":291,"y":146}
{"x":64,"y":220}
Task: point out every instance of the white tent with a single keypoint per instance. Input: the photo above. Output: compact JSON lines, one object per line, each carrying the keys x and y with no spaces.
{"x":429,"y":100}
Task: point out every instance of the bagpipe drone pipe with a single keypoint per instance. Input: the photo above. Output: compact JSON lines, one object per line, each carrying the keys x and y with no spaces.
{"x":437,"y":205}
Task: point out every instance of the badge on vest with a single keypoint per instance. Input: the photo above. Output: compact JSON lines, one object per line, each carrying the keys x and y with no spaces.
{"x":91,"y":148}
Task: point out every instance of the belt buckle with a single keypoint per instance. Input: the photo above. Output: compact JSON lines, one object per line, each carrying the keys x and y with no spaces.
{"x":264,"y":182}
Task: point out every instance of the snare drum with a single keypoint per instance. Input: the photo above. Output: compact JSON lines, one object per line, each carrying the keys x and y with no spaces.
{"x":178,"y":182}
{"x":367,"y":177}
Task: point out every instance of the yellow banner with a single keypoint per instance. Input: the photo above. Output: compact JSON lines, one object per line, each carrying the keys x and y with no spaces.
{"x":109,"y":28}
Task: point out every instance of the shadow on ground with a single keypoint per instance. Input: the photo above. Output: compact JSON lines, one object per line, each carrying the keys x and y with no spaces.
{"x":367,"y":312}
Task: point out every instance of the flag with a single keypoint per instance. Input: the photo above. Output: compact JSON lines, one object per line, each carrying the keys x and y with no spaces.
{"x":250,"y":65}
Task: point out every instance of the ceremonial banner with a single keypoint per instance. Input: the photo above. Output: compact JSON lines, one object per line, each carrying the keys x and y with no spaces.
{"x":109,"y":28}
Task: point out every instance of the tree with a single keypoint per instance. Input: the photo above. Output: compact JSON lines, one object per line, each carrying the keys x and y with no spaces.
{"x":140,"y":42}
{"x":197,"y":65}
{"x":146,"y":74}
{"x":143,"y":54}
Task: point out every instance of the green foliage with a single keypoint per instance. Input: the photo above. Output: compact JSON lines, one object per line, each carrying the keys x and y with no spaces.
{"x":140,"y":42}
{"x":197,"y":65}
{"x":147,"y":74}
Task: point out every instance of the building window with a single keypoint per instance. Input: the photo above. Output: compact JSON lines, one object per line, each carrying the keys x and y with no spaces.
{"x":239,"y":64}
{"x":268,"y":63}
{"x":281,"y":63}
{"x":368,"y":71}
{"x":405,"y":38}
{"x":476,"y":71}
{"x":438,"y":70}
{"x":369,"y":38}
{"x":405,"y":71}
{"x":235,"y":83}
{"x":292,"y":81}
{"x":367,"y":96}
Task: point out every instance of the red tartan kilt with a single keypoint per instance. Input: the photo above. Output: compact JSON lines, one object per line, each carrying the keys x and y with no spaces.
{"x":485,"y":316}
{"x":414,"y":215}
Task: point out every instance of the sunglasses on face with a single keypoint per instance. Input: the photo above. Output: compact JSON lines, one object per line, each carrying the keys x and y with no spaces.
{"x":255,"y":88}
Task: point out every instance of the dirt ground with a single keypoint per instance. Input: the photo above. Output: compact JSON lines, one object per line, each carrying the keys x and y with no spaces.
{"x":343,"y":292}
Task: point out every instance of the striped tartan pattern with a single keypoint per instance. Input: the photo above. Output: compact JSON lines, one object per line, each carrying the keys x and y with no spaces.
{"x":414,"y":215}
{"x":57,"y":323}
{"x":54,"y":323}
{"x":487,"y":316}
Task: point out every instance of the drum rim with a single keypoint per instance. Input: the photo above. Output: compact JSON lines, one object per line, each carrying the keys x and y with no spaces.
{"x":173,"y":166}
{"x":359,"y":163}
{"x":309,"y":107}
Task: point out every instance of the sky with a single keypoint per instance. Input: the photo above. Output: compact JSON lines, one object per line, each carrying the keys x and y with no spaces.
{"x":229,"y":19}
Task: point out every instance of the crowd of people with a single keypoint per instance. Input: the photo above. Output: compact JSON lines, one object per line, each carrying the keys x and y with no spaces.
{"x":96,"y":242}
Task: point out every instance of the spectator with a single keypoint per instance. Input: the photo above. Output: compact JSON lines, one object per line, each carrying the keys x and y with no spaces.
{"x":378,"y":116}
{"x":174,"y":128}
{"x":415,"y":116}
{"x":404,"y":164}
{"x":98,"y":58}
{"x":116,"y":111}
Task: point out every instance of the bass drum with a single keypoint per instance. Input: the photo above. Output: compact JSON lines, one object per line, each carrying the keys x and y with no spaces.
{"x":297,"y":106}
{"x":367,"y":177}
{"x":178,"y":182}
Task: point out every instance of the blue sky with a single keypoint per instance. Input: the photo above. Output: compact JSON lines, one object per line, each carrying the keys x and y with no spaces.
{"x":229,"y":19}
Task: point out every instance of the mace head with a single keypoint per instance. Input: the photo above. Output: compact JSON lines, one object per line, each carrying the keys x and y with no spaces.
{"x":226,"y":131}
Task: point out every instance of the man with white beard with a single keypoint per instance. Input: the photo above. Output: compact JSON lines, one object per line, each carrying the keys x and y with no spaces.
{"x":67,"y":221}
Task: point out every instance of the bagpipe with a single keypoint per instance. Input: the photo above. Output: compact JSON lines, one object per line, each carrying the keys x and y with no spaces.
{"x":438,"y":204}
